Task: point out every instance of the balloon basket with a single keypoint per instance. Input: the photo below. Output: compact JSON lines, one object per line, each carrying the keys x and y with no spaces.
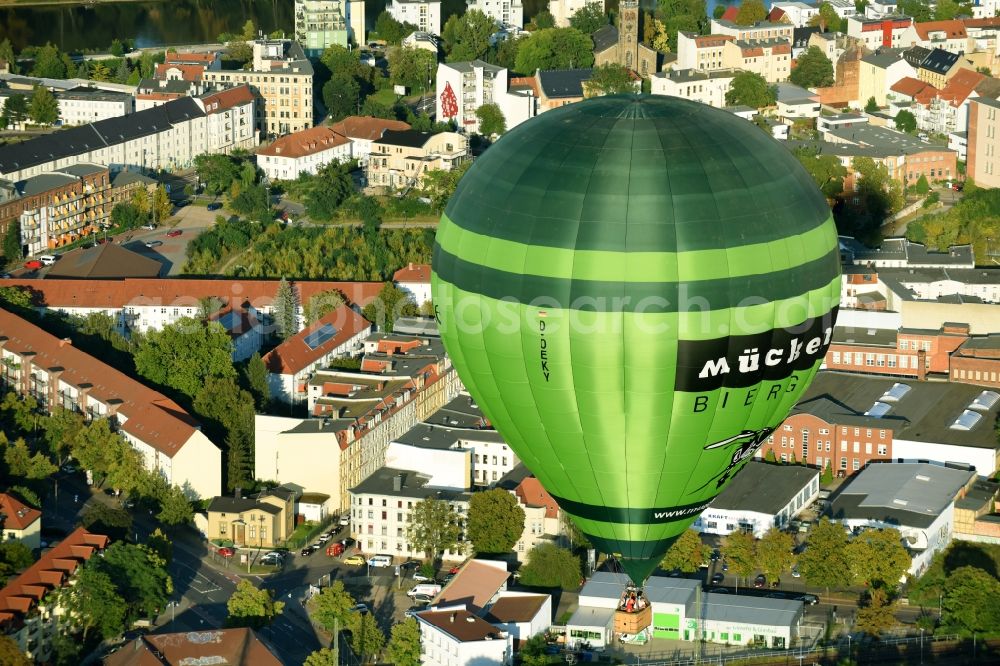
{"x":633,"y":622}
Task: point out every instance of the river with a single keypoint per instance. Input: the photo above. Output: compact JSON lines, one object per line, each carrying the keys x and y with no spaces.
{"x":170,"y":22}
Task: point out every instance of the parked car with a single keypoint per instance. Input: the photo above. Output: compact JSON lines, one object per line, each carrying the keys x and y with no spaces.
{"x":335,"y":549}
{"x":213,"y":206}
{"x":226,"y":552}
{"x":355,"y":561}
{"x":323,"y":538}
{"x":409,"y":564}
{"x":308,"y":550}
{"x":717,"y":578}
{"x":412,"y":611}
{"x":454,"y":570}
{"x":68,"y":468}
{"x":421,"y":578}
{"x":149,"y":226}
{"x":48,"y":259}
{"x":760,"y":581}
{"x":810,"y":599}
{"x":795,"y":572}
{"x":718,"y":590}
{"x":174,"y":233}
{"x":725,"y":565}
{"x":345,"y":520}
{"x":33,"y":264}
{"x":716,"y":554}
{"x":272,"y":559}
{"x":154,"y":243}
{"x":423,"y":598}
{"x":360,"y":608}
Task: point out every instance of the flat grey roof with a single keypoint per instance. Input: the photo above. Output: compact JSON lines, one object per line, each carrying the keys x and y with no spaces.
{"x":764,"y":487}
{"x":876,"y":337}
{"x":428,"y":436}
{"x":591,"y":616}
{"x":461,"y":412}
{"x":413,"y":485}
{"x":752,"y":610}
{"x":884,"y":138}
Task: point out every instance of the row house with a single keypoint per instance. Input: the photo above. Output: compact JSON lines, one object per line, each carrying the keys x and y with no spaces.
{"x":82,"y":105}
{"x":771,"y":58}
{"x":400,"y":160}
{"x":846,"y":421}
{"x":58,"y":375}
{"x":164,"y":137}
{"x":63,"y":206}
{"x":704,"y":52}
{"x":33,"y":609}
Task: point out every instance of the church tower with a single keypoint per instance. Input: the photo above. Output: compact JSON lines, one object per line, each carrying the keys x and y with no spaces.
{"x":628,"y":33}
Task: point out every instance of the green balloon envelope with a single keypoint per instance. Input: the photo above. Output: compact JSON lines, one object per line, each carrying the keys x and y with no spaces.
{"x":636,"y":290}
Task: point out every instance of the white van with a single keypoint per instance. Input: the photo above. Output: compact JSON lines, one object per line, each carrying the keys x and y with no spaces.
{"x":47,"y":259}
{"x":380,"y":561}
{"x":428,"y":589}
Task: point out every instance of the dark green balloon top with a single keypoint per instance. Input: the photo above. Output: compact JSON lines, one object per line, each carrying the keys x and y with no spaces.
{"x":637,"y":173}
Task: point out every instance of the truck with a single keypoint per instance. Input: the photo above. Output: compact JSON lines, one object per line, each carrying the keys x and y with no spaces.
{"x":335,"y":549}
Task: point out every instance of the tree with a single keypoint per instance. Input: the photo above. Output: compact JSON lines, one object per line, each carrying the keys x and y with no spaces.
{"x":467,"y":37}
{"x":391,"y":30}
{"x":827,"y":476}
{"x":161,"y":206}
{"x":334,"y":186}
{"x":332,"y":608}
{"x":94,"y":603}
{"x":686,"y":554}
{"x":826,"y":19}
{"x":824,"y":562}
{"x":905,"y":121}
{"x":826,"y":170}
{"x":877,"y":558}
{"x":322,"y":657}
{"x":322,"y":304}
{"x":610,"y":79}
{"x":881,"y":194}
{"x":111,"y":520}
{"x":229,"y":411}
{"x":49,"y":63}
{"x":687,"y":15}
{"x":183,"y":355}
{"x":10,"y":653}
{"x":286,"y":318}
{"x":160,"y":544}
{"x":12,"y":239}
{"x":15,"y":111}
{"x":341,"y":95}
{"x":126,"y":216}
{"x":813,"y":69}
{"x":554,"y":48}
{"x":404,"y":644}
{"x":543,"y":20}
{"x":590,"y":18}
{"x":216,"y":172}
{"x":549,"y":565}
{"x":390,"y":304}
{"x":439,"y":185}
{"x":367,"y":639}
{"x":43,"y":109}
{"x":774,"y":553}
{"x":255,"y":376}
{"x":871,"y":106}
{"x":491,"y":120}
{"x":496,"y":521}
{"x":122,"y":72}
{"x":116,"y":49}
{"x":738,"y":549}
{"x":750,"y":89}
{"x":27,"y":465}
{"x":433,"y":527}
{"x":175,"y":508}
{"x":252,"y":607}
{"x":751,"y":11}
{"x":969,"y":603}
{"x":411,"y":67}
{"x":7,"y":55}
{"x":922,"y":186}
{"x":14,"y":558}
{"x":876,"y":614}
{"x":140,"y":577}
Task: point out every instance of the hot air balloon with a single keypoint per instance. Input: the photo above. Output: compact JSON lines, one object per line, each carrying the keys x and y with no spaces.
{"x":636,"y":290}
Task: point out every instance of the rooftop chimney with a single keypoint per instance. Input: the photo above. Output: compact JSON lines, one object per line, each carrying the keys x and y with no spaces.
{"x":453,"y":616}
{"x":397,"y":483}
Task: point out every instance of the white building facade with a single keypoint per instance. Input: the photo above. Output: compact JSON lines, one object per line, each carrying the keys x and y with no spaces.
{"x":463,"y":87}
{"x":425,"y":14}
{"x":82,"y":106}
{"x":706,"y":87}
{"x":504,"y":12}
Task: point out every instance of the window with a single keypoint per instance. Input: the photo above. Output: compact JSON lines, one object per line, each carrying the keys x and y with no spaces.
{"x":848,"y":358}
{"x":843,"y":445}
{"x":263,"y":533}
{"x":868,"y":448}
{"x":835,"y":357}
{"x":827,"y":445}
{"x":883,"y":450}
{"x":385,"y":515}
{"x":371,"y":514}
{"x":843,"y":463}
{"x":857,"y":447}
{"x":222,"y":528}
{"x":855,"y":465}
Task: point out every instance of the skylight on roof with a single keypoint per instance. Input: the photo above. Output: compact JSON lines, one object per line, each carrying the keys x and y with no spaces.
{"x":967,"y":420}
{"x":319,"y":336}
{"x":985,"y":401}
{"x":896,"y":393}
{"x":878,"y":410}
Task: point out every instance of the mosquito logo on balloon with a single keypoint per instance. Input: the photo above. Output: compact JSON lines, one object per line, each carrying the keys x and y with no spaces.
{"x":747,"y":443}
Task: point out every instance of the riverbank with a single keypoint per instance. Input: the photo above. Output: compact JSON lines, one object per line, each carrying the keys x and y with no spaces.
{"x":74,"y":3}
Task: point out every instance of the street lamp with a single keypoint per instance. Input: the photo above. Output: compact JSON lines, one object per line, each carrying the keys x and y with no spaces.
{"x":921,"y":645}
{"x":173,"y":611}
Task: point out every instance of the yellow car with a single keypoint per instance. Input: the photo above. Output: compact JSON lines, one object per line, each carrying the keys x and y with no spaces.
{"x":355,"y":560}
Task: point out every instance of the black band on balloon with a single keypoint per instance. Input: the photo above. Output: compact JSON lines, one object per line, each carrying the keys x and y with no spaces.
{"x":631,"y":515}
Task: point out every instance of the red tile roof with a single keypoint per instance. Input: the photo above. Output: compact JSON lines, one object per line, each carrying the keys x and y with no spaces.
{"x":16,"y":514}
{"x":152,"y":417}
{"x":961,"y":85}
{"x":988,"y":22}
{"x":516,"y":608}
{"x":181,"y":292}
{"x":525,"y":82}
{"x":952,"y":29}
{"x":294,"y":355}
{"x":367,"y":127}
{"x":911,"y":87}
{"x":227,"y":99}
{"x":703,"y":41}
{"x":188,"y":58}
{"x":413,"y":273}
{"x":474,"y":585}
{"x":531,"y":492}
{"x":305,"y":142}
{"x":51,"y":571}
{"x":187,"y":72}
{"x":233,"y":647}
{"x":775,"y":15}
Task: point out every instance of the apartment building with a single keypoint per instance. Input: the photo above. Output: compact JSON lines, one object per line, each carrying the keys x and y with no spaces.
{"x":563,"y":10}
{"x":889,"y":31}
{"x":63,"y":206}
{"x":21,"y":522}
{"x":400,"y":159}
{"x":698,"y":86}
{"x":303,"y":152}
{"x":905,"y":352}
{"x":362,"y":130}
{"x":703,"y":52}
{"x":323,"y":23}
{"x":878,"y":73}
{"x":424,"y":14}
{"x":165,"y":137}
{"x":939,"y":66}
{"x":771,"y":58}
{"x":798,"y":13}
{"x":504,"y":12}
{"x":79,"y":106}
{"x":948,"y":35}
{"x":281,"y":79}
{"x":983,"y":165}
{"x":32,"y":604}
{"x":757,"y":31}
{"x":906,"y":157}
{"x":57,"y":374}
{"x":463,"y":87}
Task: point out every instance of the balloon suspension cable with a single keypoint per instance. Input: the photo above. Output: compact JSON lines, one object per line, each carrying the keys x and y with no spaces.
{"x":632,"y":599}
